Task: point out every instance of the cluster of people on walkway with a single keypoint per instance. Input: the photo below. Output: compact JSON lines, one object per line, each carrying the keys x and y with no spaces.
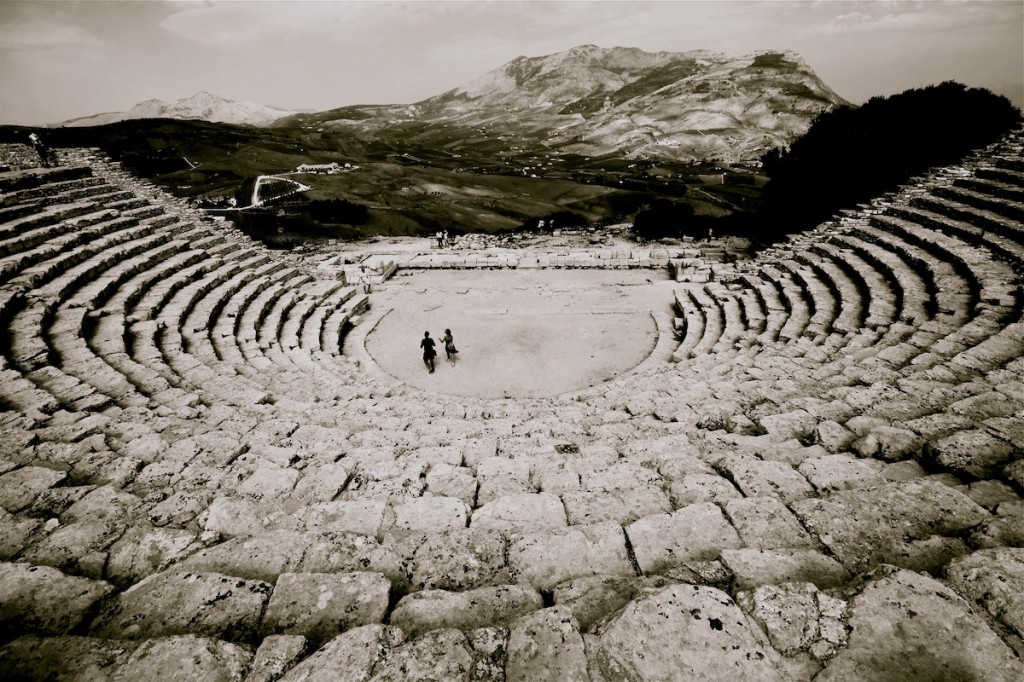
{"x":442,"y":238}
{"x":429,"y":352}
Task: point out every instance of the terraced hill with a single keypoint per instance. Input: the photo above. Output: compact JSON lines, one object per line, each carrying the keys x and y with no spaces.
{"x":197,"y":483}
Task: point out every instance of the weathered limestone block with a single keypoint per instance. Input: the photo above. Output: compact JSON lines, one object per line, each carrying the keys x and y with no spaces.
{"x":276,"y":655}
{"x":558,"y":481}
{"x":158,"y":475}
{"x":694,"y":532}
{"x":906,"y":621}
{"x":546,"y":645}
{"x":365,"y":517}
{"x":932,"y":427}
{"x":448,"y":455}
{"x":350,"y":657}
{"x":475,"y":450}
{"x":489,"y":646}
{"x":798,"y":424}
{"x":56,"y":501}
{"x":185,"y":657}
{"x":1009,"y":428}
{"x":437,"y":655}
{"x":695,"y":488}
{"x":839,"y":472}
{"x":991,"y":494}
{"x":501,"y":476}
{"x":791,"y":452}
{"x":833,"y":436}
{"x":62,"y":658}
{"x":459,"y":559}
{"x":20,"y":488}
{"x":320,"y":605}
{"x":146,"y":448}
{"x":181,"y":508}
{"x":15,"y":534}
{"x":318,"y":484}
{"x":393,"y":481}
{"x":544,"y":559}
{"x":521,"y":513}
{"x":216,"y":448}
{"x":232,"y":517}
{"x":42,"y":600}
{"x":618,"y":506}
{"x":179,"y":602}
{"x":143,"y":551}
{"x":79,"y":547}
{"x":621,"y":476}
{"x":757,"y":477}
{"x":907,"y":470}
{"x":347,"y":552}
{"x":1014,"y":472}
{"x":1006,"y":529}
{"x":803,"y":624}
{"x":268,"y":483}
{"x":889,"y":443}
{"x":911,"y":524}
{"x":258,"y":557}
{"x":994,"y":580}
{"x":591,"y":599}
{"x":766,"y":523}
{"x":452,"y":481}
{"x":679,"y":463}
{"x":973,"y":452}
{"x":484,"y":606}
{"x":751,"y":567}
{"x":431,"y":514}
{"x":668,"y":634}
{"x":986,"y":406}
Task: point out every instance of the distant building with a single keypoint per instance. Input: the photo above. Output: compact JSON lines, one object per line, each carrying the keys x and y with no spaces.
{"x":322,"y":168}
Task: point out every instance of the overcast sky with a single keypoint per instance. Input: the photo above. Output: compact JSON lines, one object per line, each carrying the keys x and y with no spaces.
{"x":63,"y":59}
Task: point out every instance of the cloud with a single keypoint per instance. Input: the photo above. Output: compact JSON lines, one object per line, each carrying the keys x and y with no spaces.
{"x":233,"y":24}
{"x":41,"y":26}
{"x":913,"y":17}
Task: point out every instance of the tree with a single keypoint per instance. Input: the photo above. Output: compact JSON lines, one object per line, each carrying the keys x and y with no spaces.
{"x":850,"y":155}
{"x":664,"y":218}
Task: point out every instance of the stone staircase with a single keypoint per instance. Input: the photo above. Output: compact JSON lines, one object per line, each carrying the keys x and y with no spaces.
{"x":195,"y":481}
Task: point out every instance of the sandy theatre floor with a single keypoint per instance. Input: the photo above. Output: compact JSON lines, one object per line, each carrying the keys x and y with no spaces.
{"x":519,"y":333}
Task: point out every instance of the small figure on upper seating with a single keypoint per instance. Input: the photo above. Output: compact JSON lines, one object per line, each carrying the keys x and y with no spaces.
{"x":364,"y":279}
{"x":427,"y":344}
{"x":41,"y":149}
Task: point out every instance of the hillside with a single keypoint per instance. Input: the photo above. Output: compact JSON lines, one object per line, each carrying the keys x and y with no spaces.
{"x":592,"y":101}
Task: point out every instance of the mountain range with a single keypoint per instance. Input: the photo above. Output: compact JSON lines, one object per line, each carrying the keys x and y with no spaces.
{"x":587,"y":101}
{"x":200,"y":106}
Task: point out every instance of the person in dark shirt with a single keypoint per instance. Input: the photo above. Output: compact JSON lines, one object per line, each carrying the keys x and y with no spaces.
{"x":427,"y":344}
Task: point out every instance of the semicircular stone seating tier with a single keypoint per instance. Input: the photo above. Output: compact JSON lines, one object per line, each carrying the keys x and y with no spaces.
{"x":825,"y":482}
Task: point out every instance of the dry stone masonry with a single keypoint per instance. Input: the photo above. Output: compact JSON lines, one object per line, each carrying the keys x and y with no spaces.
{"x":195,"y":483}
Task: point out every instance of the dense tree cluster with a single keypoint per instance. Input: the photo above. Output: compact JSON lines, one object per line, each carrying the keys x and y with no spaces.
{"x":664,"y":218}
{"x":850,"y":155}
{"x":337,"y":211}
